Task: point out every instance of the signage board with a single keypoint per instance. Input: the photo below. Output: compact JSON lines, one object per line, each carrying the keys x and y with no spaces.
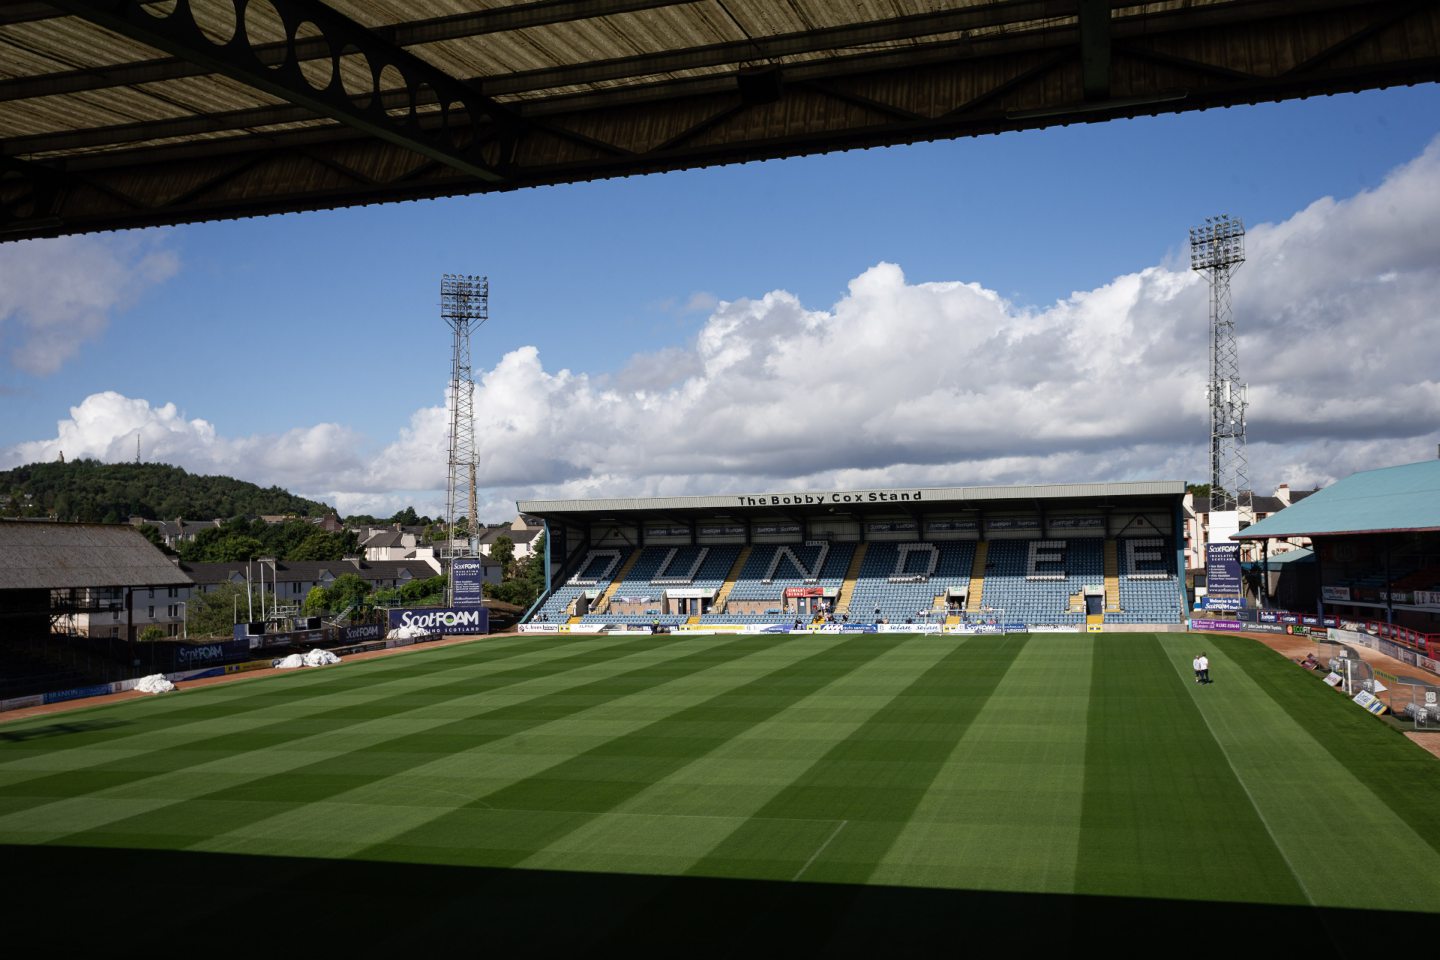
{"x":447,"y":620}
{"x":1222,"y":570}
{"x":468,"y":574}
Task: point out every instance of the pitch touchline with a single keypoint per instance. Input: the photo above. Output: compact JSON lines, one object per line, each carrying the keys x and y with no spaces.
{"x":833,"y":834}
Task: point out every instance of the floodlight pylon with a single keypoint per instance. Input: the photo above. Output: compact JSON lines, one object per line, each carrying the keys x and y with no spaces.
{"x":464,"y":305}
{"x":1217,"y":249}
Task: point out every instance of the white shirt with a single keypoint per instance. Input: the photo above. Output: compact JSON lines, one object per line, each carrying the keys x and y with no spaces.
{"x":1196,"y":663}
{"x":1202,"y":663}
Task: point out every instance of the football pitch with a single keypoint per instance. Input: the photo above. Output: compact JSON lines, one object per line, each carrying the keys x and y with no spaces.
{"x":578,"y":792}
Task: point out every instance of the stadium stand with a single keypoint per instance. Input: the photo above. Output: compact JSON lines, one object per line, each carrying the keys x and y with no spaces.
{"x":902,"y":579}
{"x":1150,"y":591}
{"x":657,"y":569}
{"x":1034,"y":580}
{"x":594,"y":572}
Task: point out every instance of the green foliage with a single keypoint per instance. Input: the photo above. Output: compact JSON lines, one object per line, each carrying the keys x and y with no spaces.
{"x":241,"y":539}
{"x":347,"y":590}
{"x":91,"y":491}
{"x":317,"y":601}
{"x":527,"y":580}
{"x":503,"y":552}
{"x":212,"y":614}
{"x":151,"y":633}
{"x":152,"y":533}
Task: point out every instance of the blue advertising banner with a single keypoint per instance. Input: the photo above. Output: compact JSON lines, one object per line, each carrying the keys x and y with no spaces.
{"x":469,"y":579}
{"x":447,"y":620}
{"x":1222,"y":603}
{"x":1222,"y":569}
{"x":1216,"y":625}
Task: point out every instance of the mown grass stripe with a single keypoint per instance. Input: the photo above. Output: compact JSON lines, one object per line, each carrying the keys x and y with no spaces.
{"x":1401,"y":774}
{"x":317,"y":716}
{"x":671,"y":825}
{"x":1164,"y":814}
{"x":1271,"y":738}
{"x":238,"y":804}
{"x":567,"y":795}
{"x":225,"y":702}
{"x":1003,"y":812}
{"x":875,"y":778}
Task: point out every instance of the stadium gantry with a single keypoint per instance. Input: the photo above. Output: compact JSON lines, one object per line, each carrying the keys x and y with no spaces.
{"x":1064,"y":556}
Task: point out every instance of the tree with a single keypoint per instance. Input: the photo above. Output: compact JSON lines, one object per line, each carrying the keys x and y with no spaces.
{"x":151,"y":633}
{"x":316,"y":602}
{"x":152,"y":533}
{"x":347,"y":590}
{"x":213,"y":613}
{"x":502,"y":551}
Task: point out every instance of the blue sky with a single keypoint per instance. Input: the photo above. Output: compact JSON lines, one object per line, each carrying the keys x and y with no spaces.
{"x":267,"y":326}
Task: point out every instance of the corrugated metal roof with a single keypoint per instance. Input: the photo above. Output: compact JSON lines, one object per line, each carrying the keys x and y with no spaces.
{"x":37,"y":555}
{"x":957,"y":497}
{"x":608,"y":88}
{"x":1391,"y":499}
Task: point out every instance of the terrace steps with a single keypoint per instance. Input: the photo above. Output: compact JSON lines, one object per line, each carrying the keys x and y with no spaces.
{"x":976,"y":593}
{"x":730,"y":579}
{"x":1112,"y":577}
{"x":603,"y":604}
{"x":847,"y":589}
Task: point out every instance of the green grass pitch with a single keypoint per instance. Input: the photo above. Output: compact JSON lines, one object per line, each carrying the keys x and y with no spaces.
{"x":1049,"y":769}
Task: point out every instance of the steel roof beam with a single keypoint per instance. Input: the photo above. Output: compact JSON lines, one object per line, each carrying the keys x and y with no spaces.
{"x":454,"y":145}
{"x":481,"y":22}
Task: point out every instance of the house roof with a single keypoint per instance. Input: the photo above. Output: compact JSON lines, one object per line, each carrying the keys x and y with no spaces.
{"x":56,"y":556}
{"x":1389,"y":500}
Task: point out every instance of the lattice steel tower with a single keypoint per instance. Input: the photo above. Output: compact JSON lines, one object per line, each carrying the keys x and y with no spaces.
{"x":1217,"y":249}
{"x":464,"y":305}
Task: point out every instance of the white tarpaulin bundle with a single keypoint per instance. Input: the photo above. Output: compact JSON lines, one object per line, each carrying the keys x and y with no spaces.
{"x":320,"y":658}
{"x":407,"y":633}
{"x":292,"y":662}
{"x":155,"y":683}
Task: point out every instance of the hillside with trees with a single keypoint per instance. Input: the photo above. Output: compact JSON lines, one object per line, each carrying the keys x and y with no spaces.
{"x":95,"y":492}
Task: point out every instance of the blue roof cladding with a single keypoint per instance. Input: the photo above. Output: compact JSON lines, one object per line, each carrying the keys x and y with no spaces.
{"x":1374,"y":501}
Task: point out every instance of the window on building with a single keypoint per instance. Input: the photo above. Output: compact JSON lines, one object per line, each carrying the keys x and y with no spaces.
{"x":174,"y":591}
{"x":151,"y":614}
{"x":152,"y":593}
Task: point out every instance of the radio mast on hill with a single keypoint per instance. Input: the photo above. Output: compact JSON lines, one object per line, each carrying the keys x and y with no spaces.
{"x":1217,"y":249}
{"x":464,"y":305}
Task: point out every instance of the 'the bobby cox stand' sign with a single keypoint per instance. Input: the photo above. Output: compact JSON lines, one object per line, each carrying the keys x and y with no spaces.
{"x":446,"y":620}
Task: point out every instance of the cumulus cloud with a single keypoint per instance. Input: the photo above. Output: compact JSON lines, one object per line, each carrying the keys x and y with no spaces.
{"x":917,"y":384}
{"x":55,"y":295}
{"x":105,"y":426}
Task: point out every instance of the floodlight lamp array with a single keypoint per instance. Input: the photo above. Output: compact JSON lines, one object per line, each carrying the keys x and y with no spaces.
{"x":1219,"y":242}
{"x":464,"y":297}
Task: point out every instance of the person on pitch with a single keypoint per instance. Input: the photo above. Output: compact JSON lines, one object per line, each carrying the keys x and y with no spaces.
{"x":1196,"y":664}
{"x":1204,"y":663}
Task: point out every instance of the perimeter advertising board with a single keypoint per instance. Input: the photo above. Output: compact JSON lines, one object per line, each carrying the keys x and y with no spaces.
{"x":1222,"y":570}
{"x":447,"y":620}
{"x":469,"y":580}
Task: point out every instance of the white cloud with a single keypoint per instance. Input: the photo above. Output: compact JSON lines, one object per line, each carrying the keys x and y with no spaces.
{"x":901,"y":384}
{"x":55,"y":295}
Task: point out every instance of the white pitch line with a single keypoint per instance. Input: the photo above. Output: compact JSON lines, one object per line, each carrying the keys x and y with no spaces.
{"x":1235,"y":772}
{"x":833,"y":834}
